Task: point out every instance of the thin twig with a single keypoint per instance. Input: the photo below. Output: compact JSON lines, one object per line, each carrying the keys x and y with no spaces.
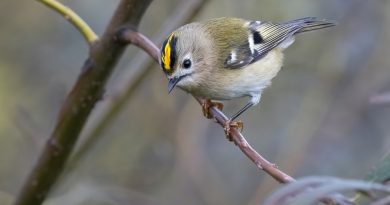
{"x":78,"y":105}
{"x":247,"y":149}
{"x":129,"y":35}
{"x":89,"y":35}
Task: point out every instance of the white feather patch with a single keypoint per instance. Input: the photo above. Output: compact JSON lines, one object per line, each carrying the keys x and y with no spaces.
{"x":251,"y":43}
{"x":232,"y":57}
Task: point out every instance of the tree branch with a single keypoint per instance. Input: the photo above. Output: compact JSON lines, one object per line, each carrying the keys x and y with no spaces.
{"x":79,"y":103}
{"x":89,"y":35}
{"x":131,"y":36}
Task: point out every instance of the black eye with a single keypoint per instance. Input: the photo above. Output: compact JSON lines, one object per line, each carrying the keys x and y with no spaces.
{"x":187,"y":63}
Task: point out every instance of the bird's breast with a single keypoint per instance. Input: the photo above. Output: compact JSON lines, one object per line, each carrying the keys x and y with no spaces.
{"x":225,"y":84}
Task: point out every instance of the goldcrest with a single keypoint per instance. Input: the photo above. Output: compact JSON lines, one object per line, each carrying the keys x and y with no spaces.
{"x":226,"y":58}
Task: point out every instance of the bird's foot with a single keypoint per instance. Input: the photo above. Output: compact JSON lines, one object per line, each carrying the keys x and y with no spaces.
{"x":229,"y":124}
{"x":207,"y":104}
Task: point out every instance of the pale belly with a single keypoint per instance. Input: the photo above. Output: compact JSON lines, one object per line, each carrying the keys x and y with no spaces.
{"x":249,"y":81}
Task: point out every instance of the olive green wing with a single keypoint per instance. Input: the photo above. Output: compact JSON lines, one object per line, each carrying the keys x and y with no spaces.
{"x":262,"y":37}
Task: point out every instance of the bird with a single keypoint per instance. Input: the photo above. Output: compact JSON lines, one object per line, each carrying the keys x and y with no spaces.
{"x":226,"y":58}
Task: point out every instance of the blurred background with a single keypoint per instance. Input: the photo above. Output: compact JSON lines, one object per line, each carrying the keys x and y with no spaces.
{"x":321,"y":116}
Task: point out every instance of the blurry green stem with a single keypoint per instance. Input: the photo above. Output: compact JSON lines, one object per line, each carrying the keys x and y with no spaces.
{"x":73,"y":18}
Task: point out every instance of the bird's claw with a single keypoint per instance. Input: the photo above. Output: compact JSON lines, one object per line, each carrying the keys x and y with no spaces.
{"x":228,"y":125}
{"x":232,"y":124}
{"x":207,"y":104}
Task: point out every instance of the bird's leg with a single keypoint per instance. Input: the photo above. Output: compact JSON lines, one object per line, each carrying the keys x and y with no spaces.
{"x":235,"y":124}
{"x":207,"y":104}
{"x":247,"y":106}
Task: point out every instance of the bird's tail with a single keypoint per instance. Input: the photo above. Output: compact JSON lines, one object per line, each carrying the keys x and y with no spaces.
{"x":311,"y":24}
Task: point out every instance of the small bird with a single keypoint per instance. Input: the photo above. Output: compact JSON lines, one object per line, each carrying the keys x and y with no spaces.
{"x":227,"y":58}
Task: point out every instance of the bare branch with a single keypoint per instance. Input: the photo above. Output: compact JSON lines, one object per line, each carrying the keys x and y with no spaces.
{"x":89,"y":35}
{"x":79,"y":103}
{"x":139,"y":40}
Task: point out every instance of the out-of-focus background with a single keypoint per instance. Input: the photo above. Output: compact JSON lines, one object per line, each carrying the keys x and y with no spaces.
{"x":317,"y":118}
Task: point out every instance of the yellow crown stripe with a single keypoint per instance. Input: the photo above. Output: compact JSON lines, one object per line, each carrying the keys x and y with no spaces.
{"x":167,"y":54}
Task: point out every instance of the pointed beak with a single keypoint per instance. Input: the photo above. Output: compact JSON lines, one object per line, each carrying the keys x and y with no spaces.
{"x":174,"y":81}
